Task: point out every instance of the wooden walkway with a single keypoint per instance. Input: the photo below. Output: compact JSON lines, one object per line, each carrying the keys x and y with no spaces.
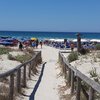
{"x":47,"y":89}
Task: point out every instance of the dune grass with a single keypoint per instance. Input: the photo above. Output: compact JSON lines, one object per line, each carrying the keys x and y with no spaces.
{"x":4,"y":50}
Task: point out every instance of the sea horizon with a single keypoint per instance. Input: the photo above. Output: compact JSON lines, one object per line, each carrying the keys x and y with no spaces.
{"x":48,"y":35}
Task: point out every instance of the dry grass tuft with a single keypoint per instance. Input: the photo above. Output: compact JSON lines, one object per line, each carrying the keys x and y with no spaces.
{"x":4,"y":90}
{"x":62,"y":90}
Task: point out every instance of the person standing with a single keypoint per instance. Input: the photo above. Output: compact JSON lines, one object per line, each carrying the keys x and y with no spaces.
{"x":65,"y":43}
{"x":20,"y":46}
{"x":37,"y":42}
{"x":41,"y":44}
{"x":72,"y":46}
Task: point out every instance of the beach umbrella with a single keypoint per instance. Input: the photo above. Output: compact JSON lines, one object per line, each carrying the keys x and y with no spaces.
{"x":34,"y":39}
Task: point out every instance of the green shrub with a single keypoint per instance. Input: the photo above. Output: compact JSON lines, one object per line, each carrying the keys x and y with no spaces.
{"x":4,"y":50}
{"x":73,"y":56}
{"x":83,"y":51}
{"x":20,"y":58}
{"x":87,"y":50}
{"x":98,"y":55}
{"x":85,"y":85}
{"x":94,"y":75}
{"x":10,"y":57}
{"x":97,"y":46}
{"x":23,"y":58}
{"x":4,"y":90}
{"x":93,"y":72}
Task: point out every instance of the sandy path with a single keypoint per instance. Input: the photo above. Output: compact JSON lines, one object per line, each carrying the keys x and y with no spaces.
{"x":47,"y":89}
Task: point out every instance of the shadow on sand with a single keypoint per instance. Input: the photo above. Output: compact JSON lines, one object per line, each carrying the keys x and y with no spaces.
{"x":32,"y":96}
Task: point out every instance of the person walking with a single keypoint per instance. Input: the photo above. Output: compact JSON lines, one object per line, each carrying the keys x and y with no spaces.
{"x":72,"y":46}
{"x":20,"y":46}
{"x":37,"y":42}
{"x":65,"y":43}
{"x":41,"y":44}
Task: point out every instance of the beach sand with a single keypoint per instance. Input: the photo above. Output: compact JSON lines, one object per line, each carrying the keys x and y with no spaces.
{"x":6,"y":64}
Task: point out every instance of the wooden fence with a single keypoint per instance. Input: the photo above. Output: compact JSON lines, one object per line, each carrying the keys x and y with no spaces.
{"x":75,"y":76}
{"x":21,"y":71}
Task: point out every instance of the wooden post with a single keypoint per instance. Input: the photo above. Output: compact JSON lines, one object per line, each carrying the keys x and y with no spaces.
{"x":32,"y":65}
{"x":91,"y":93}
{"x":40,"y":54}
{"x":69,"y":76}
{"x":63,"y":67}
{"x":65,"y":71}
{"x":84,"y":92}
{"x":30,"y":70}
{"x":34,"y":62}
{"x":24,"y":76}
{"x":61,"y":61}
{"x":78,"y":42}
{"x":72,"y":82}
{"x":11,"y":92}
{"x":59,"y":57}
{"x":78,"y":89}
{"x":39,"y":57}
{"x":19,"y":80}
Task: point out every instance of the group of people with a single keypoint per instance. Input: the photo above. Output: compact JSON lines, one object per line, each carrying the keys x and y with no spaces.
{"x":32,"y":43}
{"x":60,"y":44}
{"x":72,"y":45}
{"x":36,"y":43}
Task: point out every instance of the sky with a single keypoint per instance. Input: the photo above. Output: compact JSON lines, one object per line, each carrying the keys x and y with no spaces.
{"x":50,"y":15}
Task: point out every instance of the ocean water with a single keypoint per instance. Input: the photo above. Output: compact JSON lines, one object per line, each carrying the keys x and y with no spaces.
{"x":48,"y":35}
